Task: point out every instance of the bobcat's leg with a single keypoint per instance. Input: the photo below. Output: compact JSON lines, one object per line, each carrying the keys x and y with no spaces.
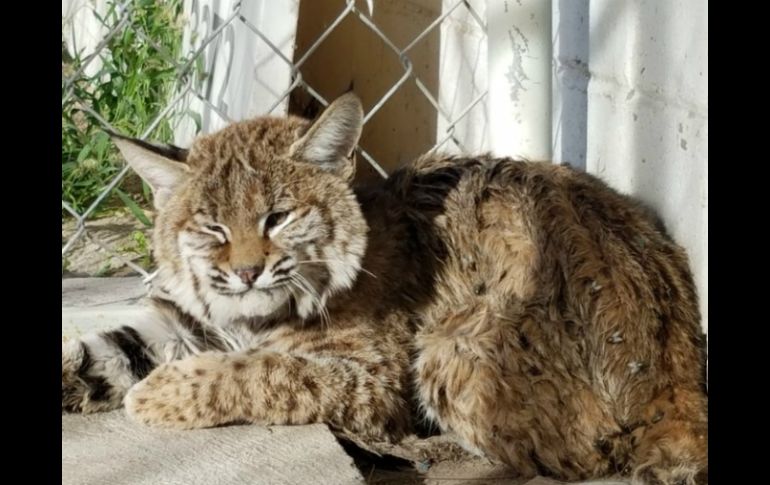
{"x":672,"y":443}
{"x":652,"y":371}
{"x":360,"y":393}
{"x":649,"y":365}
{"x":512,"y":391}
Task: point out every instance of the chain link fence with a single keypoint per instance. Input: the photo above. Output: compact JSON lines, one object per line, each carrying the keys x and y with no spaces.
{"x":142,"y":68}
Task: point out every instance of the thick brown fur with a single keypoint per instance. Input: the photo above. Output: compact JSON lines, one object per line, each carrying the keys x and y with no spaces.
{"x":540,"y":316}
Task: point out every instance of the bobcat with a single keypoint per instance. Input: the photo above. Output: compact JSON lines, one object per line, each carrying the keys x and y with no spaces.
{"x":544,"y":319}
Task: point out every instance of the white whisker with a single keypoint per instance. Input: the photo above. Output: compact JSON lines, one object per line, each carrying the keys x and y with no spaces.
{"x":316,"y":261}
{"x":315,"y":298}
{"x":311,"y":294}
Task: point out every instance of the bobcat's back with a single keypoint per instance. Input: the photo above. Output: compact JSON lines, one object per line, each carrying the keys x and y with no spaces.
{"x":557,"y":323}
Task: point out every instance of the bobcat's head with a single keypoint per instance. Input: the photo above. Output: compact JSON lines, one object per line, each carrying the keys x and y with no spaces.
{"x":257,"y":217}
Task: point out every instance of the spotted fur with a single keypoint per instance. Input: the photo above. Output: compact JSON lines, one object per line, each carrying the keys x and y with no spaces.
{"x":544,"y":319}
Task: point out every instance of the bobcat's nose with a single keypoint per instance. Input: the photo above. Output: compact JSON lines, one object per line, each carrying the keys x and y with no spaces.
{"x":249,"y":275}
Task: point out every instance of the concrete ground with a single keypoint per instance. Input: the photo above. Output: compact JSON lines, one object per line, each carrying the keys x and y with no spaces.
{"x":107,"y":448}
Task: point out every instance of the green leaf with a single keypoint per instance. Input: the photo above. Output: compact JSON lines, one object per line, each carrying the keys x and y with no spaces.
{"x":197,"y":119}
{"x":146,"y":192}
{"x":101,"y":143}
{"x":84,"y":153}
{"x":134,"y":208}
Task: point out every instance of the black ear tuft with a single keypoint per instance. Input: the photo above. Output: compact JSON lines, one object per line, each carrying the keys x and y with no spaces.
{"x":166,"y":150}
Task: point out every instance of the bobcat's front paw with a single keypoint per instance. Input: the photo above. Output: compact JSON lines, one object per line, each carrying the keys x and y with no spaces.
{"x":184,"y":394}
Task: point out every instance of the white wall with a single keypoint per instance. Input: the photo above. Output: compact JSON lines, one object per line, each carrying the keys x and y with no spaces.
{"x":82,"y":31}
{"x":244,"y":76}
{"x":463,"y":78}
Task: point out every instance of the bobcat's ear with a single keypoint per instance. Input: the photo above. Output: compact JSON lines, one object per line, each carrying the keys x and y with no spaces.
{"x":161,"y":166}
{"x":330,"y":141}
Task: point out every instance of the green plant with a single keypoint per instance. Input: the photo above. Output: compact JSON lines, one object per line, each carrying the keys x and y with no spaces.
{"x":135,"y":83}
{"x":139,"y":245}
